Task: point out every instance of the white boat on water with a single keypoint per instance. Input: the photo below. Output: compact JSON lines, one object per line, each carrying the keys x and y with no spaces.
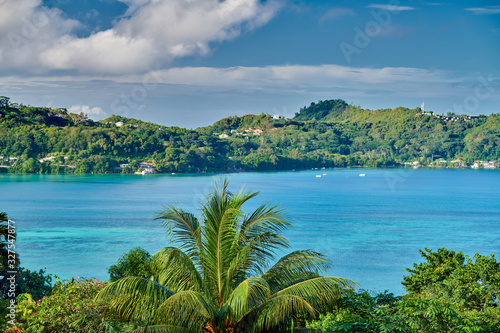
{"x":362,"y":175}
{"x":318,"y":176}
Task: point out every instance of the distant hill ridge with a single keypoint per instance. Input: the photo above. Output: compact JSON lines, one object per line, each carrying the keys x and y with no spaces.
{"x":324,"y":134}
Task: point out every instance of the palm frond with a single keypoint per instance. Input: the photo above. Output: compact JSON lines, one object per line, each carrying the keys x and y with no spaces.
{"x":134,"y":297}
{"x":221,"y":201}
{"x":266,"y":225}
{"x":320,"y":291}
{"x":252,"y":257}
{"x":265,"y":218}
{"x":220,"y":219}
{"x":183,"y":228}
{"x":247,"y":295}
{"x":238,"y":199}
{"x":132,"y":307}
{"x":172,"y":268}
{"x":188,"y":309}
{"x":294,"y":267}
{"x":275,"y":311}
{"x":219,"y":251}
{"x":216,"y":203}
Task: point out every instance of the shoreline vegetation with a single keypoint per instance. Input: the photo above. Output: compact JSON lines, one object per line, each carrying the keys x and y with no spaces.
{"x":326,"y":134}
{"x":219,"y":274}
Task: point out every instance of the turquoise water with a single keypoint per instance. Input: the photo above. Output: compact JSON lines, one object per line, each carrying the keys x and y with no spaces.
{"x":371,"y":227}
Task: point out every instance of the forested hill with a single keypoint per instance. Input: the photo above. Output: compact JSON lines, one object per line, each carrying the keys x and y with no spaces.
{"x":327,"y":133}
{"x":331,"y":110}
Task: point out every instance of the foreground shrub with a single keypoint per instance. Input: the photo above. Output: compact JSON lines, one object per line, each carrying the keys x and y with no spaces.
{"x":70,"y":308}
{"x":363,"y":311}
{"x":452,"y":292}
{"x":447,"y":293}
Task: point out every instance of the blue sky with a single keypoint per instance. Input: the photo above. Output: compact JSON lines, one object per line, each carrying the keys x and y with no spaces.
{"x":191,"y":62}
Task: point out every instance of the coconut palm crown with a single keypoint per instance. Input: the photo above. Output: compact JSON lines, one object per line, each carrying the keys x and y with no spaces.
{"x":218,"y":279}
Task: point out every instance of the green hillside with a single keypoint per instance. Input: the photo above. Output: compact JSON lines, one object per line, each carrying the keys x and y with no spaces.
{"x":325,"y":134}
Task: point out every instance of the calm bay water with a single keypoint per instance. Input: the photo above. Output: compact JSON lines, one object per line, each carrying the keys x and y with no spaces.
{"x":371,"y":227}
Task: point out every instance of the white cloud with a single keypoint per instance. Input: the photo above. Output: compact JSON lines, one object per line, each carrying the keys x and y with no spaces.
{"x":284,"y":77}
{"x":268,"y":77}
{"x":94,"y":111}
{"x":391,"y":8}
{"x":485,"y":10}
{"x":26,"y":29}
{"x":247,"y":84}
{"x":197,"y":96}
{"x":293,"y":76}
{"x":288,"y":79}
{"x":153,"y":32}
{"x":335,"y":13}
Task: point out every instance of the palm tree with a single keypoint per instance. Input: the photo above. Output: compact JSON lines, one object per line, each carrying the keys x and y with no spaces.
{"x":216,"y":280}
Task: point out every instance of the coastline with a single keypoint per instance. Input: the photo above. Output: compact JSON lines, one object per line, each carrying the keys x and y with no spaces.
{"x":5,"y":170}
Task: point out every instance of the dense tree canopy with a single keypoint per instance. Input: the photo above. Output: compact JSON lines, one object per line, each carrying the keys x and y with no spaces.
{"x":328,"y":133}
{"x":448,"y":292}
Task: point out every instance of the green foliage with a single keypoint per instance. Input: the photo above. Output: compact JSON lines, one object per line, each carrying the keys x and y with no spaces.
{"x":323,"y":109}
{"x":133,"y":263}
{"x":428,"y":315}
{"x":326,"y":134}
{"x":30,"y":166}
{"x":450,"y":292}
{"x":363,"y":312}
{"x":4,"y":102}
{"x":37,"y":284}
{"x":210,"y":282}
{"x":474,"y":283}
{"x":71,"y":307}
{"x":438,"y":267}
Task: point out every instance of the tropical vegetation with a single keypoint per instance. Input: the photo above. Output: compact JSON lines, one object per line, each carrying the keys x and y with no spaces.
{"x":133,"y":263}
{"x":329,"y":133}
{"x":70,"y":308}
{"x":217,"y":276}
{"x":449,"y":292}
